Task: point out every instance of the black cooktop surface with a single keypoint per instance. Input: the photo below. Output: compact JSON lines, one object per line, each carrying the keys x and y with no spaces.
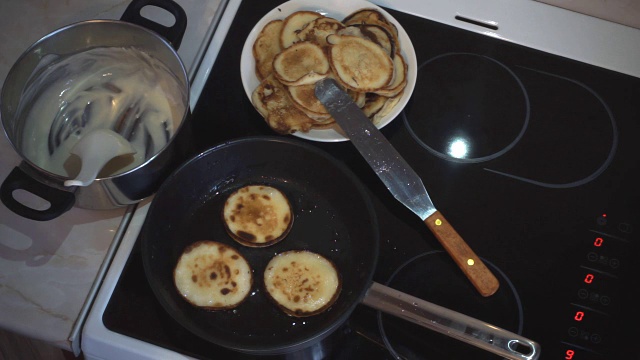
{"x":532,"y":157}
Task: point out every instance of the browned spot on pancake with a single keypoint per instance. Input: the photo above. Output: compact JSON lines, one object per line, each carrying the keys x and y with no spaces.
{"x":286,"y":218}
{"x":235,"y":257}
{"x":266,"y":197}
{"x":232,"y":218}
{"x":269,"y":237}
{"x":225,"y":291}
{"x":246,"y":236}
{"x":233,"y":283}
{"x":194,"y":278}
{"x":296,"y":298}
{"x":213,"y":275}
{"x":222,"y":248}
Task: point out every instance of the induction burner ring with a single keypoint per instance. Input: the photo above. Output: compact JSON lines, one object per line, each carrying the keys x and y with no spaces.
{"x":415,"y":261}
{"x":467,"y":108}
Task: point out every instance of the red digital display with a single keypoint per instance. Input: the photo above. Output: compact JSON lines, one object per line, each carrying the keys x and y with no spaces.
{"x":589,"y":278}
{"x":598,"y":242}
{"x":579,"y":316}
{"x":569,"y":354}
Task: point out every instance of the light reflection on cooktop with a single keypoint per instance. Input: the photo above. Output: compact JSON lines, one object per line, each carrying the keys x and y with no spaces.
{"x":462,"y":114}
{"x":524,"y":123}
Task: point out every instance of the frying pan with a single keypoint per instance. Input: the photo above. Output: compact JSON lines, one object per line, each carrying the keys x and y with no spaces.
{"x":333,"y":216}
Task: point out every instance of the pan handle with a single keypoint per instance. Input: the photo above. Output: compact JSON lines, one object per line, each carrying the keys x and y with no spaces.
{"x":173,"y":33}
{"x":451,"y":323}
{"x":60,"y":201}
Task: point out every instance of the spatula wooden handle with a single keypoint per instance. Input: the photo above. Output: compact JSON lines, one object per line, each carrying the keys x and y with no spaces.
{"x":475,"y":270}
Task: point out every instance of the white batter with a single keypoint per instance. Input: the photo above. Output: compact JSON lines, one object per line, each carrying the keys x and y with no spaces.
{"x":69,"y":96}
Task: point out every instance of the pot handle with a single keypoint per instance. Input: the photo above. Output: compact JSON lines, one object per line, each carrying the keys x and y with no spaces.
{"x":173,"y":34}
{"x":451,"y":323}
{"x":61,"y":201}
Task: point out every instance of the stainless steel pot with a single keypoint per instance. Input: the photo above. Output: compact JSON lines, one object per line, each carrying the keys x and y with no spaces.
{"x":133,"y":30}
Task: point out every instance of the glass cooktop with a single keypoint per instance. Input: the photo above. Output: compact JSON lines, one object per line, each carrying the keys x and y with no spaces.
{"x":533,"y":157}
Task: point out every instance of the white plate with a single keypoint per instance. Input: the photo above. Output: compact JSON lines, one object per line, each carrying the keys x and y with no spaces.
{"x":337,"y":9}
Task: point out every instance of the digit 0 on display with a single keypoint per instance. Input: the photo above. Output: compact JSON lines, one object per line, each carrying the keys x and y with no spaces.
{"x":598,"y":242}
{"x":588,"y":279}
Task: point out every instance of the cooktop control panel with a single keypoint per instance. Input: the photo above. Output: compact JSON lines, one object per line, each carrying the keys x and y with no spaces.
{"x":594,"y":301}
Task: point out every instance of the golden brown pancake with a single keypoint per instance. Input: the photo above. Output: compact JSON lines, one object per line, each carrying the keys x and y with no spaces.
{"x":304,"y":97}
{"x":360,"y":64}
{"x":359,"y":98}
{"x":317,"y":30}
{"x":301,"y":63}
{"x":272,"y":101}
{"x":293,"y":24}
{"x":257,"y":215}
{"x":373,"y":104}
{"x":212,"y":276}
{"x":399,"y":80}
{"x":302,"y":283}
{"x":375,"y":33}
{"x":365,"y":16}
{"x":266,"y":47}
{"x":386,"y":108}
{"x":373,"y":17}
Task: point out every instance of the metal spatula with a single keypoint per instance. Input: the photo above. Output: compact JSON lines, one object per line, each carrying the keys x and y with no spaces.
{"x":402,"y":181}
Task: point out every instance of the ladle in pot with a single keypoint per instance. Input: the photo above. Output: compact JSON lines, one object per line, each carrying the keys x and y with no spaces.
{"x":95,"y":150}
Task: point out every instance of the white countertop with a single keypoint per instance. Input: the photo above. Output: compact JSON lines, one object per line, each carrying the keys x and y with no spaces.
{"x":625,"y":12}
{"x":49,"y":271}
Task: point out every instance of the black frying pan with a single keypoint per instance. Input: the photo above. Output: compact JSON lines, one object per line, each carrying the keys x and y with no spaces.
{"x":333,"y":216}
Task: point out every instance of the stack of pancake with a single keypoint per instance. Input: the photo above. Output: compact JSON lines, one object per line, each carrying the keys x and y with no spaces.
{"x":362,"y":52}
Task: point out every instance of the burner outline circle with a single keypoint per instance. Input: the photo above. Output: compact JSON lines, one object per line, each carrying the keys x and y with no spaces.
{"x":497,"y":154}
{"x":516,"y":296}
